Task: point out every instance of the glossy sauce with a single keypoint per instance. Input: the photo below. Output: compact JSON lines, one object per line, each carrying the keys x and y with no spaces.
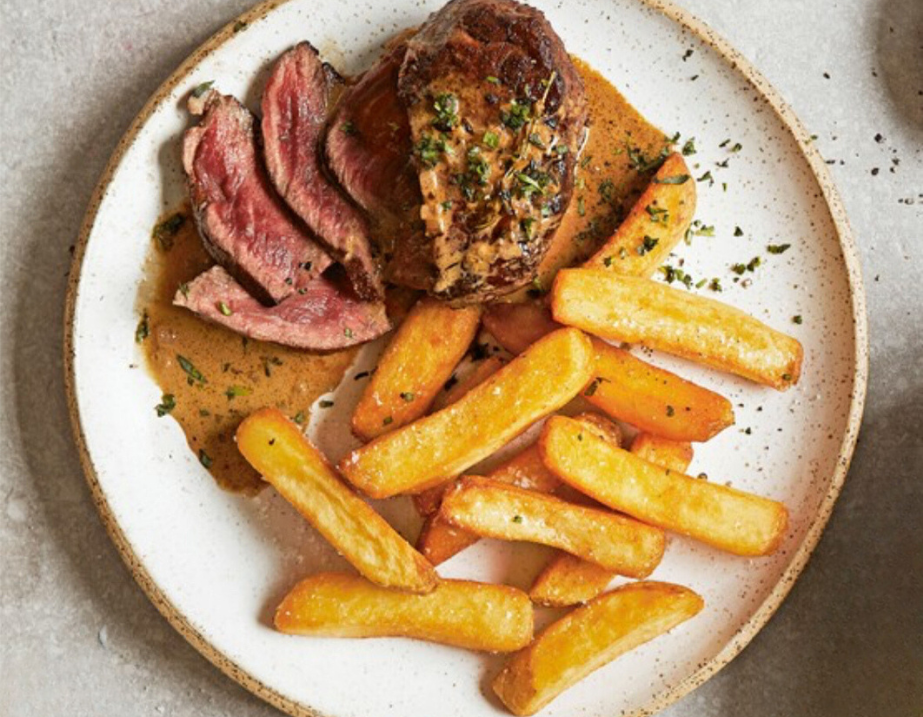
{"x":242,"y":375}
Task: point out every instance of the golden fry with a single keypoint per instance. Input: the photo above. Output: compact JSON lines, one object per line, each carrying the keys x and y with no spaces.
{"x":497,"y":510}
{"x":439,"y":540}
{"x":278,"y":450}
{"x":589,"y":638}
{"x":425,"y":350}
{"x":476,"y":616}
{"x":653,"y":399}
{"x":441,"y":446}
{"x":646,"y":312}
{"x":517,"y":326}
{"x":567,"y":579}
{"x":482,"y":371}
{"x":654,"y":226}
{"x":726,"y":518}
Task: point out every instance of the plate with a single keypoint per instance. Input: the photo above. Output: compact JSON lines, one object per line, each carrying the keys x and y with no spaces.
{"x":216,"y":564}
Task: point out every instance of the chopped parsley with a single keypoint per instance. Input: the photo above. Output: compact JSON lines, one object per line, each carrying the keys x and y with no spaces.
{"x":796,"y":319}
{"x":491,"y":140}
{"x":675,"y":179}
{"x":202,"y":88}
{"x":165,"y":232}
{"x":670,"y":411}
{"x":517,"y":518}
{"x":407,"y":396}
{"x":166,"y":405}
{"x":647,"y":244}
{"x":349,"y":129}
{"x":778,"y":248}
{"x":143,"y":330}
{"x":299,"y":417}
{"x":517,"y":115}
{"x":738,"y":232}
{"x":224,"y":308}
{"x":348,"y":332}
{"x":233,"y":392}
{"x":193,"y":374}
{"x":493,"y":80}
{"x":658,"y":215}
{"x":689,"y":147}
{"x":446,"y":108}
{"x":239,"y":26}
{"x":707,"y":178}
{"x":205,"y":459}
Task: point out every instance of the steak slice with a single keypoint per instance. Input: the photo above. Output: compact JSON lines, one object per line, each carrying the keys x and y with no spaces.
{"x":322,"y":316}
{"x":497,"y":113}
{"x":295,"y":104}
{"x":244,"y":224}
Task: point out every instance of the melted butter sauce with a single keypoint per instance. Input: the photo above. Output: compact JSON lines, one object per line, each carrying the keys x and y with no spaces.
{"x":243,"y":375}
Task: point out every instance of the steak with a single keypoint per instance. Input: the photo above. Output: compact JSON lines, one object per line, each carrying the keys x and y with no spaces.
{"x":497,"y":113}
{"x":322,"y":316}
{"x":295,"y":107}
{"x":243,"y":223}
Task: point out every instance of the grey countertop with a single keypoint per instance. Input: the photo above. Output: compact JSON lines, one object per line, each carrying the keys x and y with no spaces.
{"x":77,"y":636}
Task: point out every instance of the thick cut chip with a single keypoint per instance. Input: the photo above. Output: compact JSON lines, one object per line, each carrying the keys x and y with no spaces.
{"x":439,"y":540}
{"x":496,"y":510}
{"x":589,"y":638}
{"x":278,"y":450}
{"x":567,"y":579}
{"x":729,"y":519}
{"x":441,"y":446}
{"x":653,"y":399}
{"x":476,"y":616}
{"x":419,"y":360}
{"x":654,"y":226}
{"x":517,"y":326}
{"x":646,"y":312}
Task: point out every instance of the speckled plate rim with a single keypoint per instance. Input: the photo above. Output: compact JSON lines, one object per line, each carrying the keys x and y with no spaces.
{"x":800,"y":558}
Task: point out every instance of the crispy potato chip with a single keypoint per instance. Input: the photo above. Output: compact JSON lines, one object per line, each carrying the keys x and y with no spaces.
{"x":419,"y":360}
{"x":641,"y":311}
{"x":654,"y":226}
{"x":279,"y":451}
{"x":724,"y":517}
{"x":517,"y":326}
{"x":439,"y":540}
{"x":497,"y":510}
{"x":476,"y":616}
{"x":442,"y":445}
{"x":567,"y":579}
{"x":589,"y":638}
{"x":654,"y":399}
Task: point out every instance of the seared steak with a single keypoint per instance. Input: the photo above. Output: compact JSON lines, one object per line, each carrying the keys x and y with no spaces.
{"x":295,"y":104}
{"x":244,"y":224}
{"x":322,"y":316}
{"x":497,"y":114}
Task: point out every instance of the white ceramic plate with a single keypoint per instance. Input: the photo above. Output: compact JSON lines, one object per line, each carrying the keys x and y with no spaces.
{"x":216,"y":564}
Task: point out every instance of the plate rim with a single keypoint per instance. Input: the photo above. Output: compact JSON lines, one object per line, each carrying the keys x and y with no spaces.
{"x":796,"y":564}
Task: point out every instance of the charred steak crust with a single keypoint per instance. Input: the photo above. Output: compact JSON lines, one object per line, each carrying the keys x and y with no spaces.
{"x":497,"y":113}
{"x":295,"y":107}
{"x":323,"y":317}
{"x":243,"y":222}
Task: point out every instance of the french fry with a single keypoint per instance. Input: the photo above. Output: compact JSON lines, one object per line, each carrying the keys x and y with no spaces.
{"x":726,"y":518}
{"x":425,"y":350}
{"x":675,"y":456}
{"x":441,"y":446}
{"x":439,"y":540}
{"x":654,"y":226}
{"x":481,"y":371}
{"x":496,"y":510}
{"x":589,"y":638}
{"x":567,"y":579}
{"x":476,"y":616}
{"x":278,"y":450}
{"x":517,"y":326}
{"x":646,"y":312}
{"x":654,"y":399}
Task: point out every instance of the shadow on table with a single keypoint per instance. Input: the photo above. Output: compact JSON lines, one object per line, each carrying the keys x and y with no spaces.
{"x":899,"y":54}
{"x":38,"y":407}
{"x":847,"y":640}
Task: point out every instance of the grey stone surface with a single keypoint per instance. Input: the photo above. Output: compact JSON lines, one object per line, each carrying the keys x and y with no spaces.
{"x":77,"y":637}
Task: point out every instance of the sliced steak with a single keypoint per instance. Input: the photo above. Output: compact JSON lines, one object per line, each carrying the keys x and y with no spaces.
{"x":369,"y":150}
{"x":497,"y":114}
{"x":295,"y":106}
{"x":322,"y":316}
{"x":244,"y":224}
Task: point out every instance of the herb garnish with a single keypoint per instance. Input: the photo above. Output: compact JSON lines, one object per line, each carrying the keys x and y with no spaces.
{"x":349,"y":129}
{"x":387,"y":421}
{"x":689,"y":147}
{"x":518,"y":114}
{"x":647,"y":244}
{"x":491,"y":140}
{"x":202,"y":88}
{"x":738,"y":232}
{"x":205,"y":459}
{"x":777,"y":248}
{"x":796,"y":319}
{"x":707,"y":178}
{"x":675,"y":179}
{"x":234,"y":391}
{"x":517,"y":518}
{"x":670,"y":411}
{"x":239,"y":26}
{"x":192,"y":373}
{"x":143,"y":329}
{"x":348,"y":332}
{"x":658,"y":215}
{"x":224,"y":308}
{"x":408,"y":396}
{"x":166,"y":405}
{"x":166,"y":230}
{"x":299,"y":417}
{"x":446,"y":108}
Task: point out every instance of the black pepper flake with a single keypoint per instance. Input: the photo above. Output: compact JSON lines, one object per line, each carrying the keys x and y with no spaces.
{"x":670,"y":411}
